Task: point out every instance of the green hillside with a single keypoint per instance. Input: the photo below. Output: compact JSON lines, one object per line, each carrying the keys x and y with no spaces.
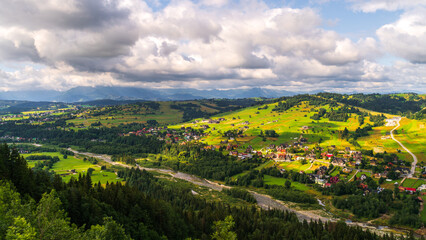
{"x":170,"y":112}
{"x":289,"y":125}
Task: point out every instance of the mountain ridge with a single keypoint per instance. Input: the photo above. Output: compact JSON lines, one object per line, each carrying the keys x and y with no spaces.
{"x":83,"y":94}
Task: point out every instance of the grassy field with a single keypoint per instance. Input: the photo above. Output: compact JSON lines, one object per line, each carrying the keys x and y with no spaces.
{"x":336,"y":171}
{"x":79,"y":165}
{"x":287,"y":124}
{"x":133,"y":113}
{"x":411,"y":133}
{"x":295,"y":166}
{"x":391,"y":184}
{"x":368,"y":174}
{"x":128,"y":114}
{"x":281,"y":181}
{"x":413,"y":183}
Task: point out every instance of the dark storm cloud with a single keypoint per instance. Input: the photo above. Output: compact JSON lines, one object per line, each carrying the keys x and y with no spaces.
{"x":76,"y":14}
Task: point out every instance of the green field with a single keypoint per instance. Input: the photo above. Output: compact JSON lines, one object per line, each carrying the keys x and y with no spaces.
{"x":295,"y":166}
{"x":368,"y":174}
{"x":413,"y":183}
{"x":127,"y":114}
{"x":411,"y":133}
{"x":336,"y":171}
{"x":133,"y":113}
{"x":64,"y":166}
{"x":288,"y":125}
{"x":281,"y":181}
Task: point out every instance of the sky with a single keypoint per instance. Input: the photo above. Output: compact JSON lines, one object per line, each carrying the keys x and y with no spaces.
{"x":340,"y":46}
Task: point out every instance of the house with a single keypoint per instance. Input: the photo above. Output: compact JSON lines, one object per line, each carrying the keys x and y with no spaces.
{"x":305,"y":128}
{"x":339,"y":162}
{"x":363,"y":177}
{"x":377,"y":175}
{"x":298,"y":144}
{"x":245,"y":155}
{"x":410,"y":190}
{"x":357,"y":156}
{"x":281,"y":155}
{"x":347,"y":170}
{"x":319,"y":181}
{"x":358,"y":161}
{"x":407,"y":189}
{"x":233,"y":153}
{"x":422,"y":187}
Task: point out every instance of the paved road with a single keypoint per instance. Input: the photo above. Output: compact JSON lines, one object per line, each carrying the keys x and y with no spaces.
{"x":413,"y":165}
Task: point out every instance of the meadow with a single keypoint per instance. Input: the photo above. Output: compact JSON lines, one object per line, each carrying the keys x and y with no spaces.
{"x":413,"y":182}
{"x":128,"y":114}
{"x":270,"y":180}
{"x":296,"y":122}
{"x":288,"y":125}
{"x":64,"y":167}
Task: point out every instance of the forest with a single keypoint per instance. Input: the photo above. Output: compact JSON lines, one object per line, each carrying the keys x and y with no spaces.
{"x":194,"y":159}
{"x":144,"y":208}
{"x":387,"y":103}
{"x":97,"y":140}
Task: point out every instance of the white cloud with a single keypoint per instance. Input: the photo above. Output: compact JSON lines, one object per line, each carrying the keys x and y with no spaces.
{"x":186,"y":44}
{"x":406,"y":37}
{"x":388,"y":5}
{"x":215,"y":3}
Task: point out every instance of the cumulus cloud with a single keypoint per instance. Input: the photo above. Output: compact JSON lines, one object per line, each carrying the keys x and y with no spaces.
{"x":406,"y":37}
{"x":190,"y":44}
{"x":54,"y":14}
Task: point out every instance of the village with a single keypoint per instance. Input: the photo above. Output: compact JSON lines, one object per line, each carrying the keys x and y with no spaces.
{"x":324,"y":165}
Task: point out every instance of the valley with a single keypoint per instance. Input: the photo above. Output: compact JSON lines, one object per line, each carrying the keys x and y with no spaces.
{"x":309,"y":155}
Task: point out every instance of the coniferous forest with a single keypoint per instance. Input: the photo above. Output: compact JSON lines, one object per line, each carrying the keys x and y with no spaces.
{"x":39,"y":205}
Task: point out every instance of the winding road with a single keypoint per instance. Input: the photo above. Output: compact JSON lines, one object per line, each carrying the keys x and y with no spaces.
{"x":413,"y":165}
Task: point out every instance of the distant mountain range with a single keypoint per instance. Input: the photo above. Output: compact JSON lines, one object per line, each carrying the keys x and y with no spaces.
{"x":83,"y":94}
